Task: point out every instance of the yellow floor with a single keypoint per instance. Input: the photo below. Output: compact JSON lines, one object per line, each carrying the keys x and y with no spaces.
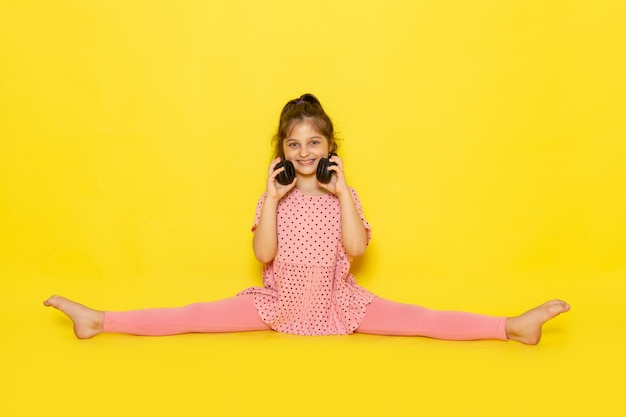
{"x":45,"y":370}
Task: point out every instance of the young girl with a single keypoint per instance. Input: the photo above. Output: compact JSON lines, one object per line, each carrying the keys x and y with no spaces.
{"x":306,"y":233}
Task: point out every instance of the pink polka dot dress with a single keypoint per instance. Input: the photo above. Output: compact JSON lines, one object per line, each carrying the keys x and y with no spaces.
{"x":308,"y":289}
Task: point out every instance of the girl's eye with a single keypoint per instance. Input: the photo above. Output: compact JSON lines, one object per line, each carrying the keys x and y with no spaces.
{"x":315,"y":142}
{"x":292,"y":144}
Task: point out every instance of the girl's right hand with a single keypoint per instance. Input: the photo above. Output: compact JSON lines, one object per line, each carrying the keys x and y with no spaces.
{"x":274,"y":188}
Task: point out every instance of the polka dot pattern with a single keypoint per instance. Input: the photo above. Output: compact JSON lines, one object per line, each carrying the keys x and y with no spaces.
{"x":308,"y":289}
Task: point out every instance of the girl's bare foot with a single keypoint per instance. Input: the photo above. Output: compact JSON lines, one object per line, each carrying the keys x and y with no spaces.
{"x":87,"y":322}
{"x":526,"y":328}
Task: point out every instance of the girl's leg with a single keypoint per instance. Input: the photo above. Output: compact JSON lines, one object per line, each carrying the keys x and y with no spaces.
{"x":385,"y":317}
{"x":236,"y":314}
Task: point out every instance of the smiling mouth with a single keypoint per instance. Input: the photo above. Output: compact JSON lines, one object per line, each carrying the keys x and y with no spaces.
{"x":306,"y":162}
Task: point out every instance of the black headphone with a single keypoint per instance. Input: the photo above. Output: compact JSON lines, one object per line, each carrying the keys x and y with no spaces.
{"x":323,"y":174}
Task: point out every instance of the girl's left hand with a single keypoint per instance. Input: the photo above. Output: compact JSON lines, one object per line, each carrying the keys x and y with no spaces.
{"x":337,"y":184}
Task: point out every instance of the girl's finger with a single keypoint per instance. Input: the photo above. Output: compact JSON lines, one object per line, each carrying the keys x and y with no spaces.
{"x":272,"y":167}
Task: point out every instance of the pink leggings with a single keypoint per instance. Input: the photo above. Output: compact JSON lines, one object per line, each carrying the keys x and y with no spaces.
{"x":238,"y":314}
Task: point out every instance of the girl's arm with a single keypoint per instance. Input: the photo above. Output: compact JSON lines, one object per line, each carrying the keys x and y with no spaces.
{"x":353,"y":233}
{"x":264,"y":242}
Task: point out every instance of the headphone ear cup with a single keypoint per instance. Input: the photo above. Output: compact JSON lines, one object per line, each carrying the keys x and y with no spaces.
{"x":285,"y":177}
{"x":323,"y":174}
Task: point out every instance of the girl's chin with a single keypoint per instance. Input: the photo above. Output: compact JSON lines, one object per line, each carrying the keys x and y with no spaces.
{"x":306,"y":165}
{"x":305,"y":174}
{"x":306,"y":169}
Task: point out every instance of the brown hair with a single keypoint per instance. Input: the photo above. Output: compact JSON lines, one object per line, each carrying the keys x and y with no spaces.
{"x":305,"y":107}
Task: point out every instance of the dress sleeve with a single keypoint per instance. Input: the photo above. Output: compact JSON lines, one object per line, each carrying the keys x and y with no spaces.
{"x":257,"y":215}
{"x":359,"y":208}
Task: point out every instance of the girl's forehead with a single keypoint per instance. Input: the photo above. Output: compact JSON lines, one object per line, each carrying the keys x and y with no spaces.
{"x":303,"y":129}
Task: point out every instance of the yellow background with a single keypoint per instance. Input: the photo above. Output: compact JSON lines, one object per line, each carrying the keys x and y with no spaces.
{"x":485,"y":138}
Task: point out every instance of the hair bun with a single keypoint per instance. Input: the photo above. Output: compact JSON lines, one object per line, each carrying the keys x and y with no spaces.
{"x":308,"y":98}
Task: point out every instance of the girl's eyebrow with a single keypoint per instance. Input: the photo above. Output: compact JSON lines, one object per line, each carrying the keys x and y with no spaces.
{"x":310,"y":137}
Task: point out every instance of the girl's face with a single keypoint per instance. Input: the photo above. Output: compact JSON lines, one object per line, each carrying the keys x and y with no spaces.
{"x":305,"y":146}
